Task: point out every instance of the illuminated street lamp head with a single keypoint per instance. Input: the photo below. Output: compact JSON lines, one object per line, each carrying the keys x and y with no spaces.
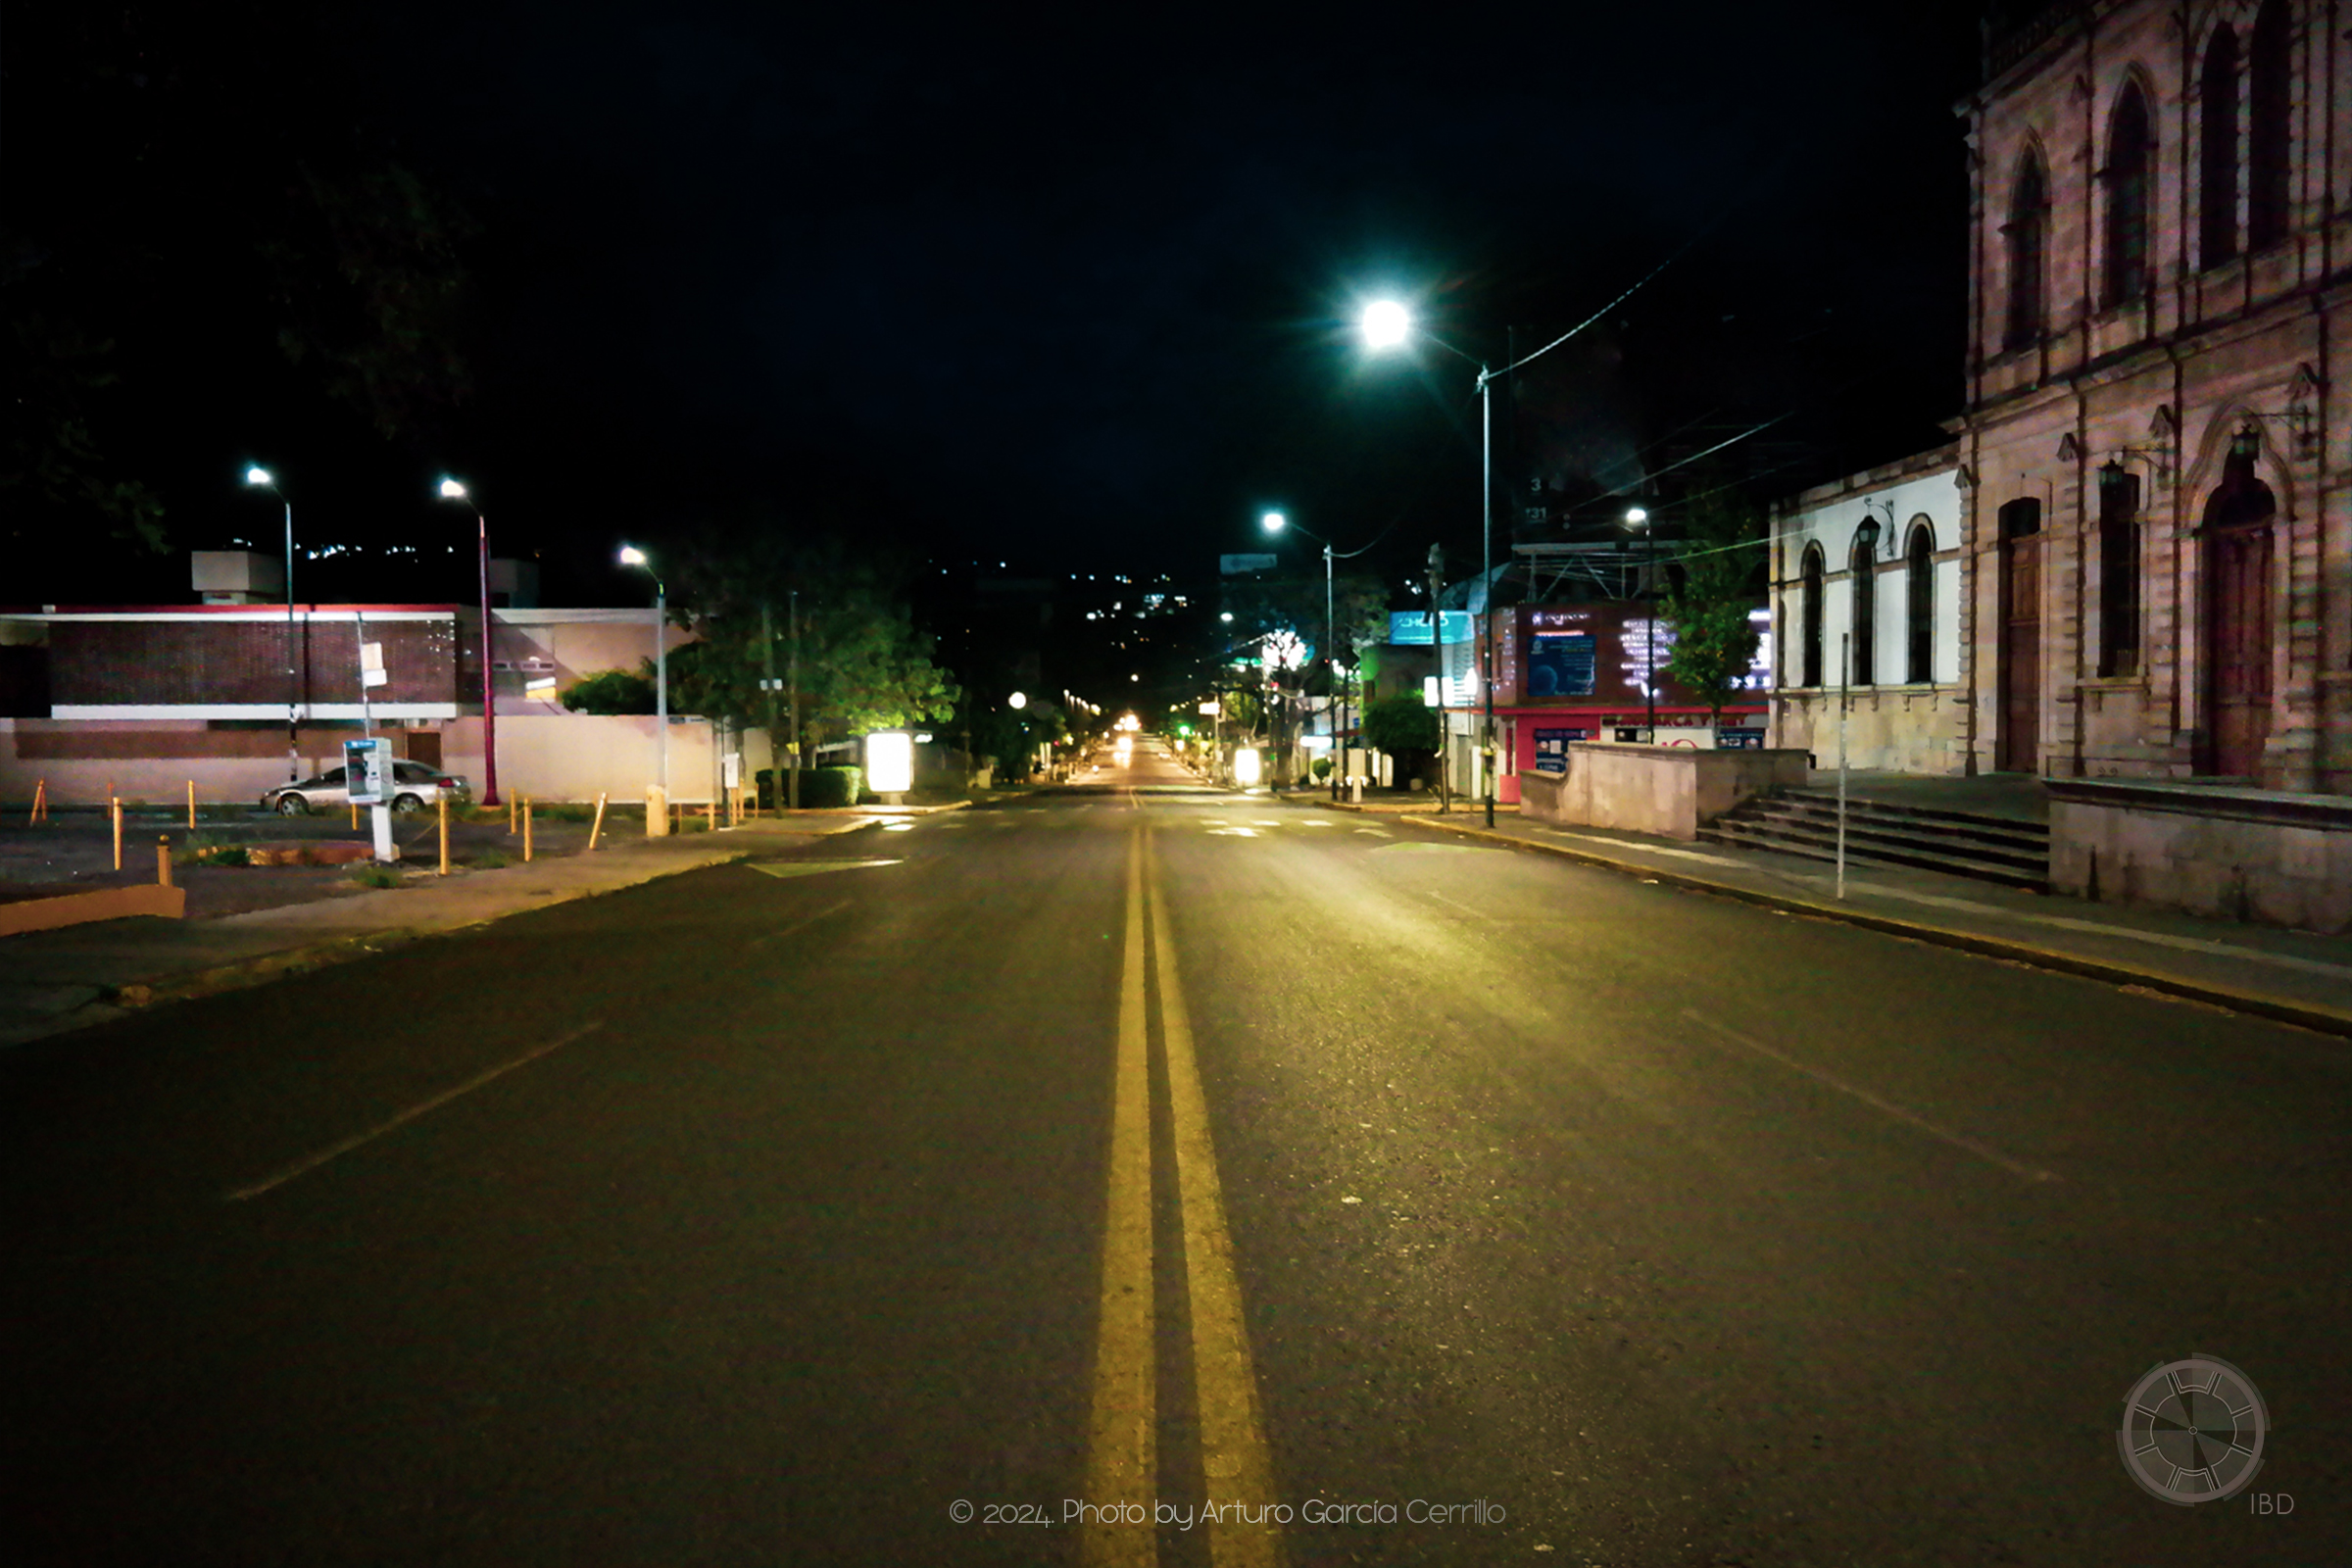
{"x":451,"y":490}
{"x":1274,"y":522}
{"x":1225,"y":616}
{"x":1017,"y":700}
{"x":259,"y":476}
{"x":1636,"y":515}
{"x":1385,"y":323}
{"x":631,"y":556}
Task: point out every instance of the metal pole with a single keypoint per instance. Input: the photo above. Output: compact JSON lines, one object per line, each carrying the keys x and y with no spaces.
{"x":767,"y":673}
{"x":791,"y":690}
{"x":1437,"y":644}
{"x":1486,"y":477}
{"x":1649,"y":683}
{"x":661,"y":676}
{"x":293,"y":681}
{"x":1331,"y":669}
{"x":489,"y":685}
{"x":1844,"y":665}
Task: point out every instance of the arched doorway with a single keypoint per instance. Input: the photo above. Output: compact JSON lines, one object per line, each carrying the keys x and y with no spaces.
{"x":2021,"y":636}
{"x":2239,"y":636}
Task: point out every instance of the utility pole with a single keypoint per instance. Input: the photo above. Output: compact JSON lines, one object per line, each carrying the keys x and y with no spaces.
{"x":767,"y":681}
{"x":1437,"y":645}
{"x":793,"y":690}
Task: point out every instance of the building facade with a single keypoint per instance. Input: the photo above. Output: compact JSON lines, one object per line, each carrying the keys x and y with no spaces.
{"x":1867,"y":591}
{"x":2155,"y":455}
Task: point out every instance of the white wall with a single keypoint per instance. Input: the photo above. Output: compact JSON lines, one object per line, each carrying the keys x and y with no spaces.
{"x":1830,"y":524}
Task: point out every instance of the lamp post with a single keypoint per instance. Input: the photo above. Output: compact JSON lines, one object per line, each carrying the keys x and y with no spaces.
{"x":260,"y":479}
{"x":1639,"y":518}
{"x":1276,"y":522}
{"x":451,"y":490}
{"x":1437,"y":647}
{"x":1386,"y":325}
{"x":631,"y":556}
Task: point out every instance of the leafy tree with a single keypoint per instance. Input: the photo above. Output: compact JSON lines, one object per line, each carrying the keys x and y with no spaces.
{"x":613,"y":691}
{"x":1714,"y":640}
{"x":862,"y":664}
{"x":1399,"y":724}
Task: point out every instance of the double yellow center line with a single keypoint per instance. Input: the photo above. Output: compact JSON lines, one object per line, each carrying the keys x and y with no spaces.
{"x":1123,"y":1436}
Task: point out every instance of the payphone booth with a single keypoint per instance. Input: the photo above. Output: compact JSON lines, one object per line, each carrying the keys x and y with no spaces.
{"x":367,"y":782}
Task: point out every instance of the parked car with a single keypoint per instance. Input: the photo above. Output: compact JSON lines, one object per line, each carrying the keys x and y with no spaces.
{"x":414,"y":786}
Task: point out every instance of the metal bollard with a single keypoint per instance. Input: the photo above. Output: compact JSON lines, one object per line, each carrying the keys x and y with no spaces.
{"x":162,"y":861}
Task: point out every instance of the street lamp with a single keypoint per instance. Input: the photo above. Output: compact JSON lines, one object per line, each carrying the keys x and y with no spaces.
{"x":1387,"y":324}
{"x":451,"y":490}
{"x":260,"y":479}
{"x":631,"y":556}
{"x":1639,"y":518}
{"x":1275,"y":523}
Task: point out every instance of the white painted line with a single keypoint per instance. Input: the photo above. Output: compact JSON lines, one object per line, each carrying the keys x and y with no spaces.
{"x":336,"y":1150}
{"x":1377,"y":832}
{"x":1316,"y":821}
{"x":1475,"y":914}
{"x":2031,"y":1173}
{"x":799,"y":925}
{"x":1233,"y":832}
{"x":1266,"y":821}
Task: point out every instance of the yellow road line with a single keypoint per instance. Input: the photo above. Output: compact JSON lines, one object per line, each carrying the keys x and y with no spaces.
{"x":1122,"y":1446}
{"x":1234,"y":1450}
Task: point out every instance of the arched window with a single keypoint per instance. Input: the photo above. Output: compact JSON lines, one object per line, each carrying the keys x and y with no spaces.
{"x":2118,"y":571}
{"x":2130,"y":153}
{"x":1863,"y":586}
{"x":2028,"y":202}
{"x":2268,"y":183}
{"x":1919,"y":605}
{"x":2217,"y":153}
{"x":1809,"y":612}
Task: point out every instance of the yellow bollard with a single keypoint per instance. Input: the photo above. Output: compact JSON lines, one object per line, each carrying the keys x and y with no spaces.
{"x":191,"y":805}
{"x":162,"y":861}
{"x":355,"y":815}
{"x":597,"y":826}
{"x":714,"y":817}
{"x":657,"y":811}
{"x":40,"y":803}
{"x":114,"y":804}
{"x":441,"y":802}
{"x":526,"y":831}
{"x":510,"y":800}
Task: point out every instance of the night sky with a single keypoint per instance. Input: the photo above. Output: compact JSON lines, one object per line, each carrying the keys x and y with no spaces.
{"x":1071,"y":297}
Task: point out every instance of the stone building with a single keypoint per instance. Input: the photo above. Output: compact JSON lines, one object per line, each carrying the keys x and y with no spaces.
{"x":2154,"y":450}
{"x":1867,"y":589}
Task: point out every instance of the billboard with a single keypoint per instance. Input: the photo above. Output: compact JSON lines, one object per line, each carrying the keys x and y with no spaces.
{"x":1411,"y":626}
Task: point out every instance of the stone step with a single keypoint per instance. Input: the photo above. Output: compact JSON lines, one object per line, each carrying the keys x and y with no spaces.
{"x":1926,"y":817}
{"x":2024,"y":853}
{"x":1813,"y":845}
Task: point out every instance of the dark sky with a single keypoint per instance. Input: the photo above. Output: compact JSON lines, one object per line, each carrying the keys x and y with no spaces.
{"x":1081,"y":296}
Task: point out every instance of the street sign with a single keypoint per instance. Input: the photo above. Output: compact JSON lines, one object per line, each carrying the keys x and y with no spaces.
{"x":1236,"y":566}
{"x":372,"y":665}
{"x":1210,"y":710}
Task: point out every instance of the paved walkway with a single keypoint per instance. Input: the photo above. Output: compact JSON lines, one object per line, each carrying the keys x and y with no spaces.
{"x":53,"y":981}
{"x":2291,"y":976}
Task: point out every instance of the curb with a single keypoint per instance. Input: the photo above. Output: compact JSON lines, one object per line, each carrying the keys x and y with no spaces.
{"x":2323,"y":1020}
{"x":137,"y":997}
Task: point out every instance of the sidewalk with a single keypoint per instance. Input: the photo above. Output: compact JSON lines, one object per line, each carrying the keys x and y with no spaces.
{"x":2288,"y":976}
{"x":55,"y":981}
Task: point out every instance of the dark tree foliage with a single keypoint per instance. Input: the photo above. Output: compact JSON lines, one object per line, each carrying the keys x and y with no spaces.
{"x":1715,"y":641}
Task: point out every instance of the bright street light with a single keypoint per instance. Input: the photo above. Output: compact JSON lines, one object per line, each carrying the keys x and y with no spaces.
{"x":259,"y":476}
{"x":1636,"y":515}
{"x":631,"y":556}
{"x":451,"y":490}
{"x":1385,"y":323}
{"x":1273,"y":523}
{"x":1017,"y":700}
{"x":1225,"y":616}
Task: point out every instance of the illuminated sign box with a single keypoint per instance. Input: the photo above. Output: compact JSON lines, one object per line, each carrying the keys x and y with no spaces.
{"x":890,"y":762}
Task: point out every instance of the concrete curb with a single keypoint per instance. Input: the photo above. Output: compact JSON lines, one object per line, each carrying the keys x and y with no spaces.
{"x":246,"y":974}
{"x":2325,"y":1020}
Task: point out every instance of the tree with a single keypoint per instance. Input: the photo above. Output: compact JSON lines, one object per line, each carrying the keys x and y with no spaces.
{"x":613,"y":691}
{"x":1714,"y":640}
{"x":1399,"y":724}
{"x":863,"y":665}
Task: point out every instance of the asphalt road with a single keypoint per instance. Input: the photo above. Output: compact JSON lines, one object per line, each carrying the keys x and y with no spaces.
{"x":1147,"y":1145}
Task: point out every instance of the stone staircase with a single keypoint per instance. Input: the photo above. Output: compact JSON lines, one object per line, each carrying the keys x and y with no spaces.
{"x":1803,"y":822}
